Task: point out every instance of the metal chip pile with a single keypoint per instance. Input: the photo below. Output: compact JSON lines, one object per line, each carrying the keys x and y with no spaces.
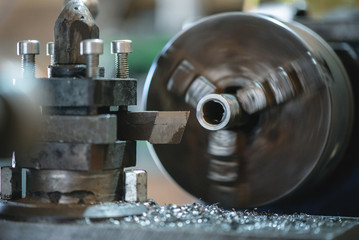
{"x":213,"y":218}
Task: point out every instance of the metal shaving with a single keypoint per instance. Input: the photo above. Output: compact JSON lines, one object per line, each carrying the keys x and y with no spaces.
{"x":213,"y":218}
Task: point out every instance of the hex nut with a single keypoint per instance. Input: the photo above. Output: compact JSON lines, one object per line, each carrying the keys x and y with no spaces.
{"x":28,"y":47}
{"x":121,"y":46}
{"x":91,"y":47}
{"x":135,"y":185}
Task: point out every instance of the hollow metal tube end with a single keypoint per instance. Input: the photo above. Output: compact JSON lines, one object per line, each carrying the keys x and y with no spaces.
{"x":218,"y":111}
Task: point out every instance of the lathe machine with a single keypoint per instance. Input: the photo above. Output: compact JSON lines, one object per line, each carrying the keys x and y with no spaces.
{"x":253,"y":116}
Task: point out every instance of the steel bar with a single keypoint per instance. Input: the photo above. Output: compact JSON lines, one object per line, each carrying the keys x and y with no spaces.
{"x":155,"y":127}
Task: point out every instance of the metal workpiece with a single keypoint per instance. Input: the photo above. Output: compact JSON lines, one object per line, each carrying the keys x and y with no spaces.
{"x":50,"y":51}
{"x":135,"y":185}
{"x":97,"y":92}
{"x":74,"y":24}
{"x":291,"y":89}
{"x":121,"y":49}
{"x":100,"y":129}
{"x":218,"y":111}
{"x":73,"y":187}
{"x":11,"y":181}
{"x":91,"y":48}
{"x":78,"y":156}
{"x":28,"y":49}
{"x":154,"y":127}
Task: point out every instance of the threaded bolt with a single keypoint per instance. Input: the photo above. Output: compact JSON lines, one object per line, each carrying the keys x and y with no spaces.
{"x":27,"y":50}
{"x":91,"y":48}
{"x":121,"y":49}
{"x":50,"y":51}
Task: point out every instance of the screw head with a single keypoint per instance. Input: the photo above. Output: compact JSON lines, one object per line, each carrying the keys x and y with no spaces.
{"x":121,"y":46}
{"x":28,"y":47}
{"x":50,"y":48}
{"x":91,"y":47}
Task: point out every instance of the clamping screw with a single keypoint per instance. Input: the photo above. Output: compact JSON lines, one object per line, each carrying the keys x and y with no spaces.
{"x":91,"y":48}
{"x":121,"y":49}
{"x":27,"y":50}
{"x":50,"y":51}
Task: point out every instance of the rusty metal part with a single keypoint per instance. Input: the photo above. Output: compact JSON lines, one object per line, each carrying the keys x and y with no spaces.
{"x":100,"y":129}
{"x":135,"y":185}
{"x":78,"y":156}
{"x":10,"y":183}
{"x":154,"y":127}
{"x":70,"y":92}
{"x":73,"y":187}
{"x":49,"y":212}
{"x":301,"y":130}
{"x":74,"y":25}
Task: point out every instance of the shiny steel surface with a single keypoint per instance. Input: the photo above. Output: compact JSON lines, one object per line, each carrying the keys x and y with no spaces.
{"x":28,"y":47}
{"x":290,"y":140}
{"x":121,"y":46}
{"x":218,"y":111}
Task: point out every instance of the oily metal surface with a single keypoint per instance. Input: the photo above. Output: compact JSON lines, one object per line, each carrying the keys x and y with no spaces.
{"x":39,"y":212}
{"x":279,"y":149}
{"x":192,"y":221}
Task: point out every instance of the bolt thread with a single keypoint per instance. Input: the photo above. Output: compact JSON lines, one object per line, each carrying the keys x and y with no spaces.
{"x":28,"y":67}
{"x":52,"y":60}
{"x":92,"y":65}
{"x":121,"y":63}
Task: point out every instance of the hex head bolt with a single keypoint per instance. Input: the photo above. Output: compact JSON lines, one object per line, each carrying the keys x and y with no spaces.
{"x":135,"y":185}
{"x":121,"y":49}
{"x":27,"y":50}
{"x":50,"y":51}
{"x":91,"y":48}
